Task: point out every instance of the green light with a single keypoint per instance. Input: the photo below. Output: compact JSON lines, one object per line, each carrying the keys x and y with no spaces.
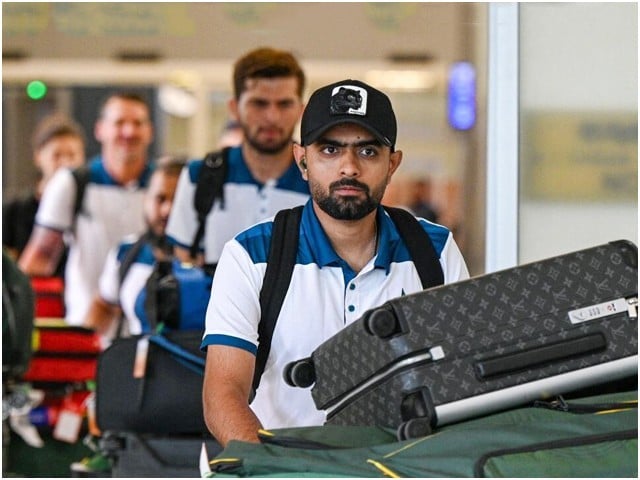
{"x":36,"y":90}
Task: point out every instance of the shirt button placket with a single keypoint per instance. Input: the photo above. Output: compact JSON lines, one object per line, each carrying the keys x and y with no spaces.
{"x":351,"y":299}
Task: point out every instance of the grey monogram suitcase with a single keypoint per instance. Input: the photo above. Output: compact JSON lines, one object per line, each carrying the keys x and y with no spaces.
{"x":481,"y":345}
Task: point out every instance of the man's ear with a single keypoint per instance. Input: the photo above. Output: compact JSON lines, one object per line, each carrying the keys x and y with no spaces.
{"x":395,"y":159}
{"x":299,"y":154}
{"x":232,"y":106}
{"x":97,"y":130}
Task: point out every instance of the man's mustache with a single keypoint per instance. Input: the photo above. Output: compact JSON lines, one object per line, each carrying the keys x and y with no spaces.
{"x":348,"y":182}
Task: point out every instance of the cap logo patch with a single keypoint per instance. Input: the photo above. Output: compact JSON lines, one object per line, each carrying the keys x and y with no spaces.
{"x":348,"y":99}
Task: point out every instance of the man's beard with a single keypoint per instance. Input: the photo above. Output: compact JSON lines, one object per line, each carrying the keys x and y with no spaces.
{"x":269,"y":149}
{"x":347,"y":207}
{"x":159,"y":241}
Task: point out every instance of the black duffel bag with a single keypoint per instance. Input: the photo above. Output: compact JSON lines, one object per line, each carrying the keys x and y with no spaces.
{"x":152,"y":384}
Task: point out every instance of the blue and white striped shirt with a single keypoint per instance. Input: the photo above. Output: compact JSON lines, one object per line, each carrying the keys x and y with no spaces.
{"x":325,"y":294}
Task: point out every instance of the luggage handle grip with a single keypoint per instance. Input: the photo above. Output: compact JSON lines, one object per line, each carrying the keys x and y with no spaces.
{"x":514,"y":362}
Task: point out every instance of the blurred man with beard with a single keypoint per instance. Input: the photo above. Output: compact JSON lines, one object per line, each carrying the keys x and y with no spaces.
{"x":262,"y":177}
{"x":350,"y":258}
{"x":111,"y":205}
{"x":129,"y":265}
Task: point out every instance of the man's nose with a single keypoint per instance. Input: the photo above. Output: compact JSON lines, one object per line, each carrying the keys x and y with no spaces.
{"x":350,"y":165}
{"x":129,"y":128}
{"x":165,"y":208}
{"x":272,"y":112}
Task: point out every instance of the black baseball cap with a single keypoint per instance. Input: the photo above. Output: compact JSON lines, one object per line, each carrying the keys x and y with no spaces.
{"x":349,"y":101}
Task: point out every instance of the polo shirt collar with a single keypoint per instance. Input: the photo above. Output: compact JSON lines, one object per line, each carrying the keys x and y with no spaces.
{"x":100,"y":175}
{"x":324,"y":254}
{"x":242,"y":174}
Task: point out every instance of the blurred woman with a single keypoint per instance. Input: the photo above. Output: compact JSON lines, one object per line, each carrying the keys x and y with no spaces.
{"x":57,"y":142}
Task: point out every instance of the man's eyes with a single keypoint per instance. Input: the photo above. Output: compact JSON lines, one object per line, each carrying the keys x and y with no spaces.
{"x":367,"y":151}
{"x":329,"y":149}
{"x":264,"y":103}
{"x":259,"y":103}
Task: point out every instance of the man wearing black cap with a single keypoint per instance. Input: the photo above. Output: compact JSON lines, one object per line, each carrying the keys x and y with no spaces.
{"x":350,"y":258}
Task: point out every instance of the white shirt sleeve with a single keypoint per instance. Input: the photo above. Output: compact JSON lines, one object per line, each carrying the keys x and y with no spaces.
{"x":183,"y":221}
{"x":58,"y":201}
{"x":234,"y":305}
{"x":109,"y":283}
{"x":453,"y":264}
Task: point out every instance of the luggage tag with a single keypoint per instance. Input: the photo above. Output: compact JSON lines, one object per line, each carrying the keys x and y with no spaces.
{"x":70,"y":417}
{"x":203,"y":463}
{"x":140,"y":361}
{"x":140,"y":366}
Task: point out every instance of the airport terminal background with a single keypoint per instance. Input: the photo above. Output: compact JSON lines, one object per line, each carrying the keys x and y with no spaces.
{"x":565,"y":135}
{"x":520,"y":117}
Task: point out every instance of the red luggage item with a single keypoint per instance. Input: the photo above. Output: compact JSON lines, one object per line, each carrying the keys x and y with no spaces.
{"x":53,"y":339}
{"x":62,"y":353}
{"x":58,"y":368}
{"x":49,"y":293}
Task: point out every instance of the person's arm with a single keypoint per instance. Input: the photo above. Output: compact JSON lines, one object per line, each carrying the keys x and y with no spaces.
{"x":230,"y":338}
{"x":225,"y":394}
{"x":101,"y":316}
{"x":55,"y":215}
{"x":42,"y":253}
{"x":183,"y":224}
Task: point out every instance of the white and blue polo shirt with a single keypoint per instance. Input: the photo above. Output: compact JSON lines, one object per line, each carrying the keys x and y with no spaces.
{"x":125,"y":295}
{"x":110,"y":211}
{"x":325,"y":294}
{"x":246,"y":201}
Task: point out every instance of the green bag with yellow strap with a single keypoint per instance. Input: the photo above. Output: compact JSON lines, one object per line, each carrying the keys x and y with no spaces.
{"x":588,"y":437}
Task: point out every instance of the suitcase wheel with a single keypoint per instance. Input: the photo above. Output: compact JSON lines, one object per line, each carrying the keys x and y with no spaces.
{"x":110,"y":444}
{"x":382,"y":323}
{"x":300,"y":373}
{"x":414,"y":428}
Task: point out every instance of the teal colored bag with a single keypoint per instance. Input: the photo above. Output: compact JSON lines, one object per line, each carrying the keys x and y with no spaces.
{"x":589,"y":437}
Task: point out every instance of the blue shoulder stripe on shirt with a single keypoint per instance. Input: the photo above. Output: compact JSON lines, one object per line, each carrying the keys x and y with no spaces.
{"x":256,"y":241}
{"x":239,"y":174}
{"x":438,"y":234}
{"x":237,"y":170}
{"x":194,"y":167}
{"x":145,"y":255}
{"x":314,"y":247}
{"x":228,"y":341}
{"x":393,"y":250}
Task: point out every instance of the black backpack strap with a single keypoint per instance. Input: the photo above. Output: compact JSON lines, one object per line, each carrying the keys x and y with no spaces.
{"x":210,"y":186}
{"x":125,"y":265}
{"x":163,"y":295}
{"x":277,"y":277}
{"x":81,"y":176}
{"x":130,"y":256}
{"x":420,"y":247}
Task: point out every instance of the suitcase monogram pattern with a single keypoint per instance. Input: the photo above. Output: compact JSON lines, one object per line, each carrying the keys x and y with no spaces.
{"x":479,"y":330}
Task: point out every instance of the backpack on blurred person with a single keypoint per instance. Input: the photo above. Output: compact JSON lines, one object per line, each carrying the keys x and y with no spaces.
{"x":17,"y":319}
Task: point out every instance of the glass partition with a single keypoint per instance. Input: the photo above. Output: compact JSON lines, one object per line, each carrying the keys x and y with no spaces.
{"x":578,"y":126}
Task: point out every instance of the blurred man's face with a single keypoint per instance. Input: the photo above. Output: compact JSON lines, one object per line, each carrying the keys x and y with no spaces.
{"x":159,"y":200}
{"x":124,"y":130}
{"x":268,"y":111}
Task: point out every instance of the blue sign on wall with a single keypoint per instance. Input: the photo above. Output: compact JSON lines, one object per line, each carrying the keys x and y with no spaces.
{"x":461,"y":98}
